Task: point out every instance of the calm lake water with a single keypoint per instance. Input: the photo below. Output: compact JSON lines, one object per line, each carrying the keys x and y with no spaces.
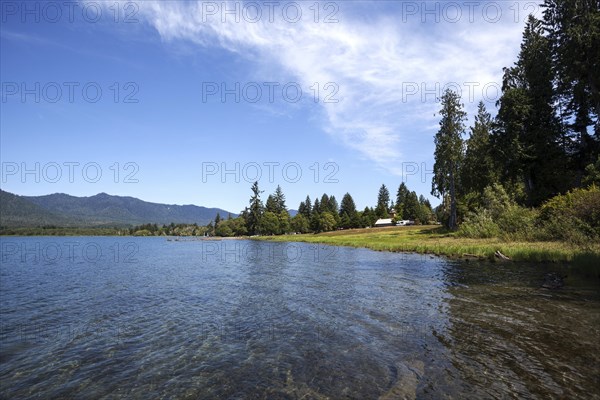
{"x":151,"y":318}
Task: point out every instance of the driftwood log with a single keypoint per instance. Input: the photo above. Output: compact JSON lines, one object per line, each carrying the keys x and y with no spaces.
{"x":500,"y":255}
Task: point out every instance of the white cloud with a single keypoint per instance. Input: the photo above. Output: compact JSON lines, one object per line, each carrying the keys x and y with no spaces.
{"x":372,"y":60}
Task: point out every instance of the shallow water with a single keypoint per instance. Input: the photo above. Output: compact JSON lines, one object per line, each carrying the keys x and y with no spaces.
{"x":152,"y":318}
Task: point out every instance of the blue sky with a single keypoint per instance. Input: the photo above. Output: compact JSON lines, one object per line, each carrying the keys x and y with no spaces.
{"x":161,"y":97}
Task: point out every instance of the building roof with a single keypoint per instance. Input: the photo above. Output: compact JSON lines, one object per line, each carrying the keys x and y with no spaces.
{"x":384,"y":221}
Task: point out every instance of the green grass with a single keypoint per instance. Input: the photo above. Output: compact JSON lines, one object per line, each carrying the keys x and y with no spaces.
{"x":437,"y":240}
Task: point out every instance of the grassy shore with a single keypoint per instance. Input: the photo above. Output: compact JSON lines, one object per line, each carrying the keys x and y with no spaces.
{"x":437,"y":240}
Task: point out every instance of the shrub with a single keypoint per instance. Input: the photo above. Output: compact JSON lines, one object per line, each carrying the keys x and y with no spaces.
{"x":518,"y":223}
{"x":499,"y":216}
{"x":479,"y":224}
{"x":496,"y":200}
{"x":574,"y":216}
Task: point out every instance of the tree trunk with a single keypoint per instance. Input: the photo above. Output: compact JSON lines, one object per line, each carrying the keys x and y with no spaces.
{"x":452,"y":220}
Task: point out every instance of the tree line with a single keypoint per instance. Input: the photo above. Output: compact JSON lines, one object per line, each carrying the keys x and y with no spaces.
{"x":545,"y":138}
{"x":321,"y":215}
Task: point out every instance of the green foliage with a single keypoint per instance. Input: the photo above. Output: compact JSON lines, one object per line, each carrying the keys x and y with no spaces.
{"x":269,"y":224}
{"x":231,"y":227}
{"x":518,"y":223}
{"x":284,"y":222}
{"x":592,"y":174}
{"x":279,"y":200}
{"x":224,"y":230}
{"x":300,"y":224}
{"x":479,"y":224}
{"x":499,"y":216}
{"x":449,"y":152}
{"x":238,"y":226}
{"x":529,"y":142}
{"x":333,"y":205}
{"x":383,"y":202}
{"x":400,"y":200}
{"x":496,"y":200}
{"x":270,"y":204}
{"x":412,"y":208}
{"x":305,"y":208}
{"x":327,"y":222}
{"x":478,"y":169}
{"x":349,"y":217}
{"x":365,"y":219}
{"x":573,"y":217}
{"x":316,"y":207}
{"x":573,"y":30}
{"x":255,"y":212}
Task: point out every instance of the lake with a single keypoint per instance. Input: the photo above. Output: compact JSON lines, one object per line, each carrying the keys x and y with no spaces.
{"x":109,"y":317}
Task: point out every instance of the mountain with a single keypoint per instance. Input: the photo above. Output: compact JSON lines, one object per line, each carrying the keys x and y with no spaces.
{"x":17,"y":211}
{"x":292,"y":213}
{"x":99,"y":210}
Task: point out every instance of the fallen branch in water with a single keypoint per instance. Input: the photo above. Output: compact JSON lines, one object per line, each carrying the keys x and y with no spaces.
{"x":500,"y":255}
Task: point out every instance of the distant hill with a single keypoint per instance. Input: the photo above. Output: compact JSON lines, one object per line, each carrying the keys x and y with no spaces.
{"x":99,"y":210}
{"x":17,"y":211}
{"x":293,"y":213}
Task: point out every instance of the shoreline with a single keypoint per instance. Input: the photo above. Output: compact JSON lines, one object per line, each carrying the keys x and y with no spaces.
{"x":420,"y":239}
{"x":430,"y":239}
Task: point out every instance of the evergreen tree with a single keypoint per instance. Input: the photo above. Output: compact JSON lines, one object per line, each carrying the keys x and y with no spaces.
{"x":333,"y":205}
{"x":347,"y":206}
{"x":367,"y":218}
{"x":276,"y":205}
{"x":412,"y":208}
{"x":449,"y":152}
{"x":255,"y":212}
{"x":324,"y":203}
{"x":279,"y":198}
{"x":315,"y":221}
{"x":271,"y":205}
{"x":400,"y":199}
{"x":348,"y":213}
{"x":305,"y":208}
{"x":529,"y":139}
{"x":335,"y":210}
{"x":573,"y":28}
{"x":316,"y":207}
{"x":345,"y":221}
{"x":478,"y":170}
{"x":383,"y":202}
{"x":284,"y":222}
{"x":425,"y":212}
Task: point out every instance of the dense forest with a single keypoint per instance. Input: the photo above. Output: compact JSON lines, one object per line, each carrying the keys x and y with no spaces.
{"x":531,"y":172}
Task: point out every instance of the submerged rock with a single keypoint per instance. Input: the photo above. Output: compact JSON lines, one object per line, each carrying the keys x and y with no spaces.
{"x":406,"y":378}
{"x":553,"y":281}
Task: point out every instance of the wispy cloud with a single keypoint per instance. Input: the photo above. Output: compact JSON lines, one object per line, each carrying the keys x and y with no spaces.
{"x":372,"y":60}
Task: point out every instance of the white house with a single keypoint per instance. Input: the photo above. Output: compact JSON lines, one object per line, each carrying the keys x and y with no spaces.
{"x":384,"y":222}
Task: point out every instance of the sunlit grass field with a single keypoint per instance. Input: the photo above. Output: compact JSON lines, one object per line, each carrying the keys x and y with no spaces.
{"x":437,"y":240}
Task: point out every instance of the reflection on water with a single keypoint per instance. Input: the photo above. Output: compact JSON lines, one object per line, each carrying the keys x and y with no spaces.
{"x":149,"y":318}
